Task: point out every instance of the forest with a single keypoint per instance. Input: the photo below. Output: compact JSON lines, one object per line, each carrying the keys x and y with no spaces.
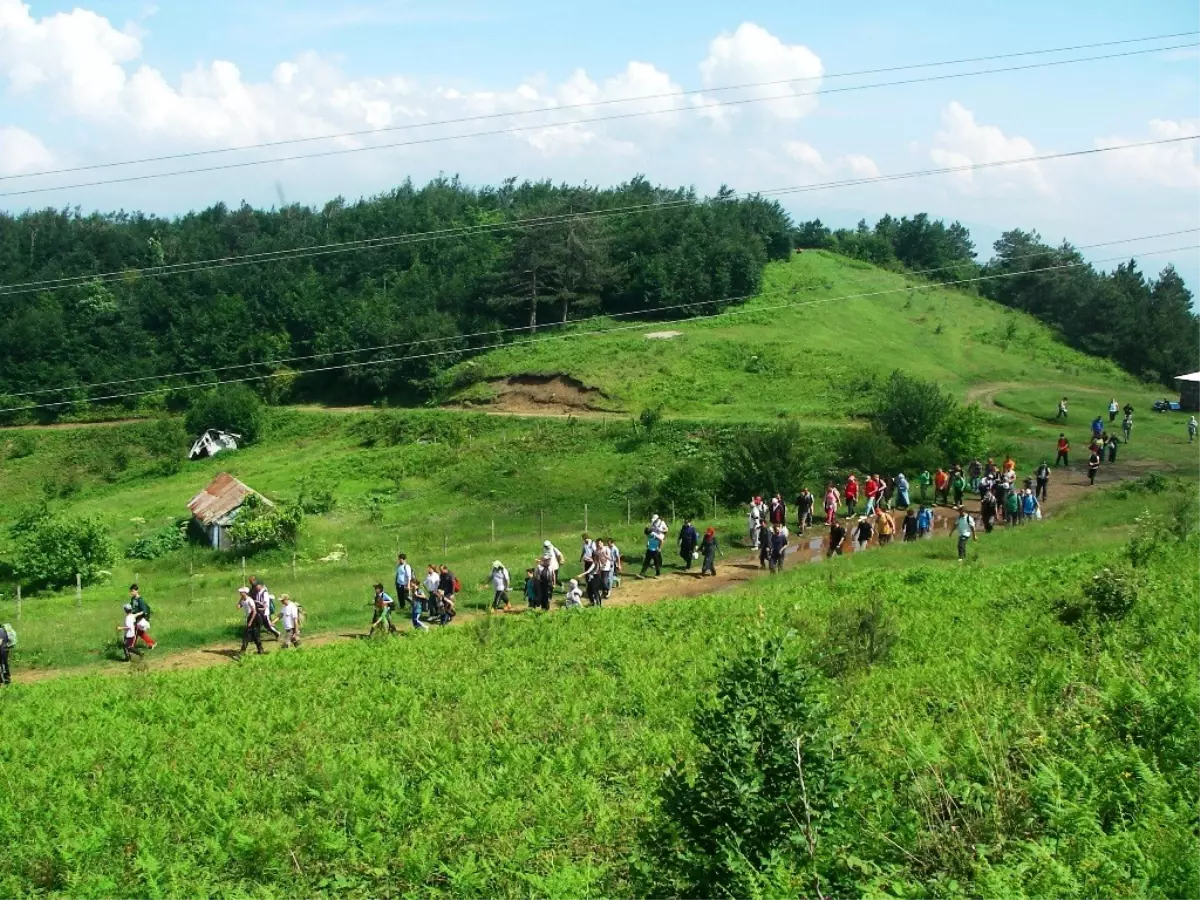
{"x":482,"y":278}
{"x":1146,"y":325}
{"x":407,"y":283}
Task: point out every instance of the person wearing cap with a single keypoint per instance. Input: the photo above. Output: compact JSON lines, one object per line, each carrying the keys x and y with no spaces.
{"x":253,"y":630}
{"x":128,"y":630}
{"x":754,"y":520}
{"x":500,"y":585}
{"x":384,"y":604}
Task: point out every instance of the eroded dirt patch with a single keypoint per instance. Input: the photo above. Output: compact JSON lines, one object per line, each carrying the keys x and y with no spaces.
{"x":543,"y":395}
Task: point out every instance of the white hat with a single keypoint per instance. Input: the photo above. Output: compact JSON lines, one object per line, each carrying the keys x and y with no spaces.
{"x":128,"y":608}
{"x":574,"y":583}
{"x":497,"y":565}
{"x":243,"y":590}
{"x":547,"y":545}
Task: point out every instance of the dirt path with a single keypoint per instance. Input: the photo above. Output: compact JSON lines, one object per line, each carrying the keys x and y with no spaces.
{"x":737,"y":567}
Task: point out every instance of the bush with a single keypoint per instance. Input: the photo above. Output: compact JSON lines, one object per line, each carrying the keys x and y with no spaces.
{"x":262,"y":527}
{"x":233,"y":408}
{"x":748,"y":817}
{"x":51,"y":550}
{"x":688,"y":488}
{"x":869,"y":450}
{"x":963,"y":434}
{"x":21,"y":446}
{"x":315,"y":499}
{"x":166,"y":442}
{"x":160,"y":543}
{"x":910,"y":410}
{"x":1108,"y":596}
{"x":778,"y":460}
{"x":856,"y":638}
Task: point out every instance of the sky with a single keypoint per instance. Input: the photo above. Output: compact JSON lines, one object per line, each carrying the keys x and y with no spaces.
{"x":117,"y":80}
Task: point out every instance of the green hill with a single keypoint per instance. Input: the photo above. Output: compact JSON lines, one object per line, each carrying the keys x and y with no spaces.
{"x":1020,"y":726}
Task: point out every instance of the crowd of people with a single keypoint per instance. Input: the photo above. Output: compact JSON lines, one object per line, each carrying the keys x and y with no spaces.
{"x":858,"y":513}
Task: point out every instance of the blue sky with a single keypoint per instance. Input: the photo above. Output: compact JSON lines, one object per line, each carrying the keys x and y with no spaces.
{"x":118,"y":79}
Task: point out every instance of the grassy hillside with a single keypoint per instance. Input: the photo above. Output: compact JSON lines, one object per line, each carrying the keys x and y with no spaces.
{"x":842,"y":321}
{"x":984,"y":749}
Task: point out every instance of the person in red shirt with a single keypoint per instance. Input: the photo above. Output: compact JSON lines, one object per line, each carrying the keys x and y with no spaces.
{"x":851,"y":494}
{"x":1064,"y":449}
{"x":872,"y":488}
{"x":941,"y":485}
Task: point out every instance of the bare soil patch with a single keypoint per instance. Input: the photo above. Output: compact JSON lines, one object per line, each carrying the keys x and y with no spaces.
{"x":543,"y":395}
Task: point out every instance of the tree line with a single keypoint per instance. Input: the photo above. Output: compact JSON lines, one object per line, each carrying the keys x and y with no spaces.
{"x":674,"y":253}
{"x":1145,"y":324}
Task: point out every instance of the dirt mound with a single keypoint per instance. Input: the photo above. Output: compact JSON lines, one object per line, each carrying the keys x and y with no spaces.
{"x":543,"y":395}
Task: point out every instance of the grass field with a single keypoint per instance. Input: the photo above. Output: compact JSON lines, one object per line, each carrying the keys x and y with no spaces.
{"x":989,"y":749}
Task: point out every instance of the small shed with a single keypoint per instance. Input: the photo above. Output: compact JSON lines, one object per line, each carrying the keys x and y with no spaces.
{"x":1189,"y":392}
{"x":216,"y":507}
{"x":213,"y":442}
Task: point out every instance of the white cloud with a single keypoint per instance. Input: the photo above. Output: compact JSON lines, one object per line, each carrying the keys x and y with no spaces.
{"x":963,"y":141}
{"x":805,"y":154}
{"x":1166,"y":165}
{"x":22,"y":152}
{"x":859,"y":165}
{"x":752,"y":54}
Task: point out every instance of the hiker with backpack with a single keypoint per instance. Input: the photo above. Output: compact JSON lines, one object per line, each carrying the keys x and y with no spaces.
{"x":804,"y":510}
{"x":253,"y":630}
{"x":383,"y":603}
{"x":433,"y":591}
{"x":851,"y":494}
{"x":140,"y":607}
{"x":8,"y":640}
{"x":555,"y":558}
{"x":266,"y":604}
{"x":656,"y":533}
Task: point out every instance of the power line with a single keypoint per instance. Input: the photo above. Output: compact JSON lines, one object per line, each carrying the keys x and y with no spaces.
{"x":520,"y":128}
{"x":518,"y":328}
{"x":595,"y":103}
{"x":385,"y":241}
{"x":619,"y":328}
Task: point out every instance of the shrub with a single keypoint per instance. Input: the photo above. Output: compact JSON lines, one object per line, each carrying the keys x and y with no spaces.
{"x":649,"y":417}
{"x":160,"y":543}
{"x":51,"y":550}
{"x":262,"y":527}
{"x":856,"y":638}
{"x":1107,"y":596}
{"x":315,"y":499}
{"x":910,"y":410}
{"x":869,"y":450}
{"x":233,"y":408}
{"x":777,"y":460}
{"x":748,"y":817}
{"x":688,"y":488}
{"x":21,"y":446}
{"x":963,"y":433}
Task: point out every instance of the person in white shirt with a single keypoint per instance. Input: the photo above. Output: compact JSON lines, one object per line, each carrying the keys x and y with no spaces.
{"x":433,"y":590}
{"x":553,"y":556}
{"x":253,"y":632}
{"x":404,"y":574}
{"x":964,"y":530}
{"x":574,"y":595}
{"x":128,"y":631}
{"x":614,"y":578}
{"x":290,"y":620}
{"x":587,"y":548}
{"x":500,"y":584}
{"x":604,"y":562}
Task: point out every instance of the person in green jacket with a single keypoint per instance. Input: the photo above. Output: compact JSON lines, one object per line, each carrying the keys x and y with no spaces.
{"x":141,"y":608}
{"x":959,"y":483}
{"x":925,"y":480}
{"x":1012,"y":507}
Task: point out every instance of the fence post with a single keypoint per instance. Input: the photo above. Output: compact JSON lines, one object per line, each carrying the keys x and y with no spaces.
{"x":714,"y":506}
{"x":192,"y":577}
{"x":78,"y":593}
{"x":493,"y":531}
{"x":293,"y":567}
{"x":541,"y":524}
{"x":585,"y":517}
{"x":243,"y":570}
{"x":445,"y":541}
{"x":18,"y":603}
{"x":628,"y":511}
{"x":672,"y":512}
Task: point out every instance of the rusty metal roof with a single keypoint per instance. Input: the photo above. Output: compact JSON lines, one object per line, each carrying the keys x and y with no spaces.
{"x":223,"y":495}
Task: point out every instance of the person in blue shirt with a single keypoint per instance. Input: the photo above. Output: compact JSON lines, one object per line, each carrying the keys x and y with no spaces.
{"x":653,"y":557}
{"x":1029,"y":504}
{"x":779,"y":542}
{"x":1097,"y":426}
{"x":924,"y":521}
